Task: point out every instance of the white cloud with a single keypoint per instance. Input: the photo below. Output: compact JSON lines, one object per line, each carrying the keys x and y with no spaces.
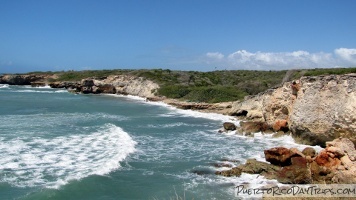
{"x":243,"y":59}
{"x":348,"y":55}
{"x":215,"y":55}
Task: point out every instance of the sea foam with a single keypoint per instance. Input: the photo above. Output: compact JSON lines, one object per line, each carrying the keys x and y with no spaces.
{"x":4,"y":86}
{"x":54,"y":162}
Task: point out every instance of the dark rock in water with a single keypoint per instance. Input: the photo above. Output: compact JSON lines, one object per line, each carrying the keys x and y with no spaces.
{"x":202,"y":171}
{"x":229,"y":126}
{"x":222,"y":165}
{"x":229,"y":160}
{"x":86,"y":90}
{"x":252,"y":166}
{"x":280,"y":156}
{"x":38,"y":84}
{"x":236,"y":171}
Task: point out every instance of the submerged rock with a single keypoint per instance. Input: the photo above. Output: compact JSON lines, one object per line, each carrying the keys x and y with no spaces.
{"x":229,"y":126}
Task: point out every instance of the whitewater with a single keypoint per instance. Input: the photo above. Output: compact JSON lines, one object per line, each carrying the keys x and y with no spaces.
{"x":60,"y":145}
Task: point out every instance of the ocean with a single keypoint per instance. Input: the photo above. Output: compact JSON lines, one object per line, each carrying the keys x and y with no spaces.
{"x":59,"y":145}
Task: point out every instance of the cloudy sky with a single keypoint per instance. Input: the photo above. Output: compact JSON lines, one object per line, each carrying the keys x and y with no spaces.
{"x":176,"y":34}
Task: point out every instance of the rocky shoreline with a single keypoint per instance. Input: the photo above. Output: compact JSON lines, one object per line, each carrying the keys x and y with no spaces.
{"x":314,"y":110}
{"x":336,"y":164}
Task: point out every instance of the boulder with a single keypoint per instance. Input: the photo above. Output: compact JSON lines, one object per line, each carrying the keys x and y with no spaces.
{"x":280,"y":156}
{"x":229,"y":126}
{"x":309,"y":151}
{"x":252,"y":127}
{"x":297,"y":173}
{"x":252,"y":166}
{"x":324,"y":159}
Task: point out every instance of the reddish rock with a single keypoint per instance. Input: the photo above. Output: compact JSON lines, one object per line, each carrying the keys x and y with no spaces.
{"x":324,"y":159}
{"x":281,"y":125}
{"x":280,"y":156}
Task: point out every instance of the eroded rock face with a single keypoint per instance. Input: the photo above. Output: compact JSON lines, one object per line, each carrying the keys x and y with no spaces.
{"x":325,"y":109}
{"x":132,"y":85}
{"x":321,"y":110}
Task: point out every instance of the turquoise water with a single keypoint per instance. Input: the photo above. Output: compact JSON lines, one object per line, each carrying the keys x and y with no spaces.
{"x":59,"y":145}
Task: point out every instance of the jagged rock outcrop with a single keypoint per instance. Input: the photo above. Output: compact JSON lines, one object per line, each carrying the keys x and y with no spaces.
{"x":316,"y":110}
{"x":27,"y":79}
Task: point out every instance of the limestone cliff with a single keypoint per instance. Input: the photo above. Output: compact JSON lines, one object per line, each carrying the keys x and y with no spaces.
{"x":131,"y":85}
{"x":321,"y":109}
{"x":114,"y":84}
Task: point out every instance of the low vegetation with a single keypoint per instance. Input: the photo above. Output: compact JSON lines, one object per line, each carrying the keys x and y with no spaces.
{"x":214,"y":86}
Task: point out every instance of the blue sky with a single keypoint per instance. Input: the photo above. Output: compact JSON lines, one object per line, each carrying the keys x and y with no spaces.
{"x":199,"y":35}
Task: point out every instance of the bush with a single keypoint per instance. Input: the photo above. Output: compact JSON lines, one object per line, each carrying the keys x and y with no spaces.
{"x":215,"y":94}
{"x":338,"y":71}
{"x":174,"y":91}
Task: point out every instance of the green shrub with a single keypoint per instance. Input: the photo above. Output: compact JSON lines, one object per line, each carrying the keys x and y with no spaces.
{"x":174,"y":91}
{"x":338,"y":71}
{"x":215,"y":94}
